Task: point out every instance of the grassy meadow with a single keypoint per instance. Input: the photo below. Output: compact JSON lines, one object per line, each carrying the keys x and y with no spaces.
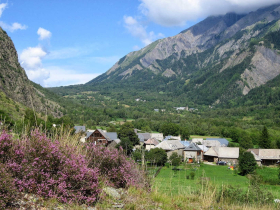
{"x":173,"y":182}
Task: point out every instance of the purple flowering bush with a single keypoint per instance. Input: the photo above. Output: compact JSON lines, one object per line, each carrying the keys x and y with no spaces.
{"x":7,"y":187}
{"x":43,"y":167}
{"x":116,"y":168}
{"x":54,"y":169}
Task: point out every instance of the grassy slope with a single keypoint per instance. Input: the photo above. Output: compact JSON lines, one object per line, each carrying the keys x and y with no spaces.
{"x":174,"y":183}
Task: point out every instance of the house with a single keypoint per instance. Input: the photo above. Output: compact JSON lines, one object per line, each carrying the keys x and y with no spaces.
{"x":180,"y":108}
{"x":171,"y":146}
{"x":151,"y":143}
{"x":172,"y":138}
{"x":197,"y":140}
{"x":193,"y":152}
{"x":79,"y":129}
{"x":227,"y":154}
{"x":203,"y":148}
{"x":266,"y":156}
{"x":223,"y":142}
{"x":157,"y":136}
{"x":211,"y":143}
{"x":185,"y":143}
{"x":143,"y":137}
{"x":114,"y":143}
{"x":99,"y":137}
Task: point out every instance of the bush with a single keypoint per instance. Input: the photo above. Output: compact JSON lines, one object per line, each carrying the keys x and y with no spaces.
{"x":247,"y":163}
{"x":43,"y":167}
{"x":192,"y":174}
{"x":115,"y":167}
{"x":8,"y":191}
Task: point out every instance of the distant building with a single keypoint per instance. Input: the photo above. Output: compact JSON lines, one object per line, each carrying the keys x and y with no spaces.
{"x":171,"y":146}
{"x":100,"y":138}
{"x":193,"y":152}
{"x":266,"y":156}
{"x":79,"y":129}
{"x":151,"y":143}
{"x":223,"y":142}
{"x":227,"y":154}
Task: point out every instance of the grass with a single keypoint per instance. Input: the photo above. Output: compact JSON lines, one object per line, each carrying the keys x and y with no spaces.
{"x":175,"y":183}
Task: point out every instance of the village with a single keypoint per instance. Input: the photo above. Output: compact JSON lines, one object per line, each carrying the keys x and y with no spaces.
{"x":209,"y":150}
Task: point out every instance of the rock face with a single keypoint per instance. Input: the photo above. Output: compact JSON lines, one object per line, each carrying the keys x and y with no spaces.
{"x":222,"y":58}
{"x":14,"y":82}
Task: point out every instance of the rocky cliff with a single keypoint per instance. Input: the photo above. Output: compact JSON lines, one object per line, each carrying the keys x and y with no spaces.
{"x":14,"y":82}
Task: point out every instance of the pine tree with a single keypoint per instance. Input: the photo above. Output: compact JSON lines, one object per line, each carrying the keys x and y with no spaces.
{"x":264,"y":139}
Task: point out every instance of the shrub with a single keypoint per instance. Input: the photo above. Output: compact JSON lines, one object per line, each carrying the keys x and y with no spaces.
{"x":43,"y":167}
{"x":192,"y":174}
{"x":247,"y":163}
{"x":7,"y":187}
{"x":115,"y":167}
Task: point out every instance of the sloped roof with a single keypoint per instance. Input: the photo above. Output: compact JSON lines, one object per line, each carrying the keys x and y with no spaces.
{"x":141,"y":137}
{"x":211,"y":143}
{"x":223,"y":141}
{"x":185,"y":143}
{"x":203,"y":148}
{"x":192,"y":147}
{"x":257,"y":158}
{"x":172,"y":137}
{"x":112,"y":135}
{"x":145,"y":135}
{"x":223,"y":152}
{"x":117,"y":141}
{"x":266,"y":154}
{"x":88,"y":134}
{"x":152,"y":141}
{"x":196,"y":140}
{"x":79,"y":129}
{"x":171,"y":145}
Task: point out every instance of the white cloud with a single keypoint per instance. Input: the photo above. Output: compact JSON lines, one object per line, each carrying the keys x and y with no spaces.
{"x":31,"y":61}
{"x":62,"y":76}
{"x":31,"y":58}
{"x":44,"y":34}
{"x":3,"y":6}
{"x":136,"y":29}
{"x":179,"y":12}
{"x":13,"y":27}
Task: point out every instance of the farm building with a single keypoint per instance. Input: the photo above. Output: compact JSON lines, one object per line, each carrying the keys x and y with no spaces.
{"x":227,"y":154}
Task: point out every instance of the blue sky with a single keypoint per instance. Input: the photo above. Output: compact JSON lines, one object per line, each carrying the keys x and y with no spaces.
{"x":64,"y":42}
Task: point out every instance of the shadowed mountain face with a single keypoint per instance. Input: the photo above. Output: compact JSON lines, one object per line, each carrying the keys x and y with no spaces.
{"x":14,"y":82}
{"x":217,"y":60}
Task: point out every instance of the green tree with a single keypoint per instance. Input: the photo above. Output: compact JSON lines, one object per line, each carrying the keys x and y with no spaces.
{"x":185,"y":134}
{"x":127,"y":131}
{"x":170,"y":129}
{"x":126,"y":144}
{"x":157,"y":155}
{"x":264,"y":139}
{"x":246,"y":143}
{"x":247,"y":163}
{"x":175,"y":159}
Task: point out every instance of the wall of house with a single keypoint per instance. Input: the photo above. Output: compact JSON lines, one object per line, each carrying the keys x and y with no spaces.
{"x":190,"y":154}
{"x":97,"y":138}
{"x":229,"y":160}
{"x":149,"y":146}
{"x":268,"y":162}
{"x":179,"y":152}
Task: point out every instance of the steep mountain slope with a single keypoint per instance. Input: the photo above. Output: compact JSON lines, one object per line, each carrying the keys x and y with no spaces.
{"x":15,"y":84}
{"x":218,"y":60}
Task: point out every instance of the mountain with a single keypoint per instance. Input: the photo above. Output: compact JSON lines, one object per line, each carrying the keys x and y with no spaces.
{"x":14,"y":84}
{"x":217,"y":61}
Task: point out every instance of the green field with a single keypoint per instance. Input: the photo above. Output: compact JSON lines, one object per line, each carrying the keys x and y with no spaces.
{"x":171,"y":182}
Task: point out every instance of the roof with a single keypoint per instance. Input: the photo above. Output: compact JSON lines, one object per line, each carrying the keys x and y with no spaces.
{"x":145,"y":135}
{"x":192,"y":147}
{"x":141,"y":137}
{"x":170,"y":145}
{"x":117,"y":141}
{"x":257,"y":158}
{"x":266,"y":154}
{"x":203,"y":148}
{"x":112,"y":135}
{"x":172,"y":137}
{"x":196,"y":140}
{"x":79,"y":129}
{"x":223,"y":141}
{"x":223,"y":152}
{"x":211,"y":143}
{"x":185,"y":143}
{"x":152,"y":141}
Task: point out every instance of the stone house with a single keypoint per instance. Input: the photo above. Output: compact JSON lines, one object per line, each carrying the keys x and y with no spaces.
{"x":266,"y":156}
{"x":193,"y":153}
{"x":227,"y":154}
{"x":171,"y":146}
{"x":151,"y":144}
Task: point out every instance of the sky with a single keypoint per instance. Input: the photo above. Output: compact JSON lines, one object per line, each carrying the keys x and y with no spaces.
{"x":70,"y":42}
